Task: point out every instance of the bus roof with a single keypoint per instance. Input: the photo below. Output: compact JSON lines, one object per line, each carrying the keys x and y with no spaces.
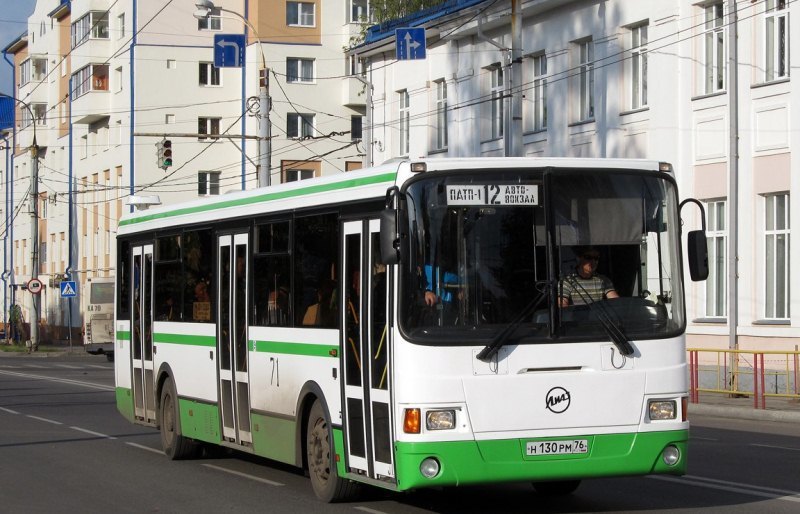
{"x":342,"y":188}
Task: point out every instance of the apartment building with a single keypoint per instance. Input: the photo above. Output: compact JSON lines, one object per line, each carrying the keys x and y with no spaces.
{"x":107,"y":81}
{"x":650,"y":79}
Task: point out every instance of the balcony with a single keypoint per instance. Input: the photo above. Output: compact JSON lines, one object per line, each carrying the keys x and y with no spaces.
{"x":353,"y":92}
{"x":90,"y":99}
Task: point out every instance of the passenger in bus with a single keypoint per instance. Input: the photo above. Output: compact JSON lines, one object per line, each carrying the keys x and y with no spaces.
{"x":439,"y":285}
{"x":586,"y":286}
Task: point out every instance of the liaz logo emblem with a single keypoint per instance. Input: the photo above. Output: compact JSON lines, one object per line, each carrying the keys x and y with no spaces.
{"x":557,"y":400}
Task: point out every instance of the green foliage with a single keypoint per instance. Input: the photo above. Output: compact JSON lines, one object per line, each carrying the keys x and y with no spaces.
{"x":387,"y":10}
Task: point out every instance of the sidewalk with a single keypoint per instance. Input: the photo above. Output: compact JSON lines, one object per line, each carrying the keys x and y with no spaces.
{"x":723,"y":406}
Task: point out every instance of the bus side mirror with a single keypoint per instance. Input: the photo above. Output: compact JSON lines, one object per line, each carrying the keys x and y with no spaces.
{"x":392,"y":241}
{"x":698,"y":255}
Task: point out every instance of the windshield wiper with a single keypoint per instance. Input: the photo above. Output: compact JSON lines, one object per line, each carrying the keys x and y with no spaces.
{"x":614,"y":332}
{"x":500,"y":340}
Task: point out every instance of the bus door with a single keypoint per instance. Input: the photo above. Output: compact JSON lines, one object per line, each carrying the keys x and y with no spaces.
{"x":234,"y":395}
{"x":366,"y":352}
{"x":144,"y":398}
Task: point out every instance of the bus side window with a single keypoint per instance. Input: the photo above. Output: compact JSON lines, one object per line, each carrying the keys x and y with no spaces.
{"x":315,"y":246}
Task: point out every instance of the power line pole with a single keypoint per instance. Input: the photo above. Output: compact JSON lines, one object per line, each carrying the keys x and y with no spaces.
{"x":35,"y":298}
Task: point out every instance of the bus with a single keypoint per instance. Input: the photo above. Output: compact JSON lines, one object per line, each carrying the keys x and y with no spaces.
{"x":404,"y":326}
{"x":98,"y":317}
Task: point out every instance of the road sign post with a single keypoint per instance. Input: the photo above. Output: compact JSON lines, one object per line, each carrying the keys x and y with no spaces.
{"x":410,"y":43}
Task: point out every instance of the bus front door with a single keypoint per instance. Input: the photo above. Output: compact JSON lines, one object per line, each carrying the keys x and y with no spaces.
{"x":366,"y":352}
{"x":234,"y":392}
{"x":144,"y":399}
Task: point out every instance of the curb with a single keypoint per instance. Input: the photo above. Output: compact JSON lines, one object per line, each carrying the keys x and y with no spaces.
{"x":722,"y":411}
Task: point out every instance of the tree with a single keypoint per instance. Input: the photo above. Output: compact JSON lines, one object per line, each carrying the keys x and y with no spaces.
{"x":388,"y":10}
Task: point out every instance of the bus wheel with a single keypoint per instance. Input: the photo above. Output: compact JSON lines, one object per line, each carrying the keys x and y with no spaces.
{"x":327,"y":484}
{"x":559,"y":488}
{"x":174,"y":444}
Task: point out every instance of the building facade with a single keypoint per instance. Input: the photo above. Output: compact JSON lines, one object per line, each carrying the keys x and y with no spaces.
{"x":650,"y":79}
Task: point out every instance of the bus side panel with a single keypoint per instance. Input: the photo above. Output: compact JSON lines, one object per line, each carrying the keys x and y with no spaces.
{"x":282,"y":360}
{"x":190,"y":350}
{"x":122,"y":369}
{"x":200,"y":420}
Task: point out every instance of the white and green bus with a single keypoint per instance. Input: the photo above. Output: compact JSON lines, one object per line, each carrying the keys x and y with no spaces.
{"x":406,"y":326}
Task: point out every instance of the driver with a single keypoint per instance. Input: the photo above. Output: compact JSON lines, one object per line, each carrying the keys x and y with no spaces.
{"x":586,"y":285}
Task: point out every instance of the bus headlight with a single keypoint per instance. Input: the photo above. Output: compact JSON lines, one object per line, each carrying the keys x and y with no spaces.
{"x":429,"y":467}
{"x":671,"y":455}
{"x":440,"y":419}
{"x":662,"y":409}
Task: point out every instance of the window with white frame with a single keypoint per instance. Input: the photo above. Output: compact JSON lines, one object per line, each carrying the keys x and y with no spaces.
{"x":299,"y":70}
{"x":295,"y":174}
{"x":26,"y":118}
{"x":438,"y":115}
{"x":495,"y":112}
{"x":300,"y":14}
{"x":776,"y":256}
{"x":776,"y":34}
{"x":93,"y":25}
{"x":638,"y":66}
{"x":359,"y":11}
{"x":356,"y":127}
{"x":39,"y":113}
{"x":38,"y":68}
{"x":90,"y":78}
{"x":121,"y":25}
{"x":211,"y":22}
{"x":585,"y":51}
{"x":206,"y":125}
{"x":24,"y":72}
{"x":208,"y":183}
{"x":209,"y":74}
{"x":404,"y":119}
{"x":717,"y":234}
{"x":299,"y":125}
{"x":539,"y":92}
{"x":714,"y":48}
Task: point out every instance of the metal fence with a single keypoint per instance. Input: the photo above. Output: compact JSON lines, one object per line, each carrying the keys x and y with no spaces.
{"x":744,"y":373}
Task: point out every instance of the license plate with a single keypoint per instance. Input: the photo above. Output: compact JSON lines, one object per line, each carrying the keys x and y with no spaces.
{"x":566,"y":447}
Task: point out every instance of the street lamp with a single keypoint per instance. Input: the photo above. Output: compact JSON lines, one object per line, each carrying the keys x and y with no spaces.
{"x":204,"y":10}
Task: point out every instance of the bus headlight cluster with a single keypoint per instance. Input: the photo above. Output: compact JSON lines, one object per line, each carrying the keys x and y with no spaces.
{"x":662,"y":409}
{"x":440,"y":419}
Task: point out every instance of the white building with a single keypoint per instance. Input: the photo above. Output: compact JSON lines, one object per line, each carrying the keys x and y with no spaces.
{"x":612,"y":78}
{"x":108,"y":80}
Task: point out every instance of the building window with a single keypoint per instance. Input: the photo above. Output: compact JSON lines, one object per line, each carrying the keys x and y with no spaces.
{"x":356,"y":123}
{"x":776,"y":33}
{"x":90,"y":78}
{"x":714,"y":48}
{"x":776,"y":248}
{"x":118,"y":78}
{"x":208,"y":183}
{"x":38,"y":68}
{"x":404,"y":118}
{"x":585,"y":81}
{"x":439,"y":115}
{"x":39,"y":113}
{"x":211,"y":22}
{"x":93,"y":25}
{"x":359,"y":11}
{"x":638,"y":67}
{"x":496,"y":102}
{"x":300,"y":14}
{"x":207,"y":126}
{"x":25,"y":72}
{"x":539,"y":92}
{"x":299,"y":125}
{"x":299,"y":70}
{"x":716,"y":294}
{"x":210,"y":75}
{"x":121,"y":25}
{"x":295,"y":174}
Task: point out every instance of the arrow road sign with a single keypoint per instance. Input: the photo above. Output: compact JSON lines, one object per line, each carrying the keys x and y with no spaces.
{"x":68,"y":289}
{"x":229,"y":50}
{"x":410,"y":43}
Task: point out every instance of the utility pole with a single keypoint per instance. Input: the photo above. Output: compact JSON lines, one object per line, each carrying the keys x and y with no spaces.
{"x":35,"y":298}
{"x":264,"y":129}
{"x":516,"y":80}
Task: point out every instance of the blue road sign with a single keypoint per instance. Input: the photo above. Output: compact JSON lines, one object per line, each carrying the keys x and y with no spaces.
{"x":68,"y":289}
{"x":229,"y":50}
{"x":410,"y":43}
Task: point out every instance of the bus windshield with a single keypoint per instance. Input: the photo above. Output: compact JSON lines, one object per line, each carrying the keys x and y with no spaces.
{"x":101,"y":292}
{"x":509,"y":250}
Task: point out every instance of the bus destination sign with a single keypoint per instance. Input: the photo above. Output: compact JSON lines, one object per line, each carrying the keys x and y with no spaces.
{"x":493,"y":194}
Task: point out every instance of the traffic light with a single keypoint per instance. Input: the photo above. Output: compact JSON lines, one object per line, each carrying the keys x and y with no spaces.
{"x":164,"y":153}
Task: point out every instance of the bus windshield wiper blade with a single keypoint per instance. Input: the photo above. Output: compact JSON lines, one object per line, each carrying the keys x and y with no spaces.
{"x":616,"y":334}
{"x":492,"y":348}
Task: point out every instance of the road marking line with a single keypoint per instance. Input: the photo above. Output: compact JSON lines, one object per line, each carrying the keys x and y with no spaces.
{"x":62,"y":380}
{"x":68,"y":366}
{"x":776,"y":447}
{"x":36,"y":366}
{"x":244,"y":475}
{"x":45,"y":419}
{"x":98,"y":434}
{"x":371,"y":511}
{"x":734,"y":487}
{"x":98,"y":366}
{"x":8,"y":410}
{"x":696,"y":438}
{"x":143,"y":447}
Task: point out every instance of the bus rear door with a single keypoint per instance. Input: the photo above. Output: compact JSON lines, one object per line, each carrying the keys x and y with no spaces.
{"x":142,"y":334}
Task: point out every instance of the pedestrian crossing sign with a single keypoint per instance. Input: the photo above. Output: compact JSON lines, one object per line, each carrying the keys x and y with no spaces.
{"x":68,"y":289}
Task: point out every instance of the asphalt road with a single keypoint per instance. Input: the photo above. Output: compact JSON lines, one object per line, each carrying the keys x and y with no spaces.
{"x":64,"y":448}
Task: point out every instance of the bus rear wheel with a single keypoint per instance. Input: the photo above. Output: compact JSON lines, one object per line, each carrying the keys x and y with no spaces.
{"x":556,"y":488}
{"x":175,"y":446}
{"x":327,"y":484}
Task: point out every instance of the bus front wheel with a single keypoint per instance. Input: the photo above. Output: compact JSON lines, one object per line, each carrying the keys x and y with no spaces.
{"x":327,"y":484}
{"x":557,"y":488}
{"x":174,"y":444}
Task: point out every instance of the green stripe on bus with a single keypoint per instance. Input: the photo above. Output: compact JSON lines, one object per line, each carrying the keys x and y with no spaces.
{"x":311,"y":350}
{"x":386,"y":177}
{"x":125,"y":335}
{"x":191,"y":340}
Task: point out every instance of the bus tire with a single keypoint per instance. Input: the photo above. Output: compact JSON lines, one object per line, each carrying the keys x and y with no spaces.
{"x":556,"y":488}
{"x":175,"y":446}
{"x":327,"y":484}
